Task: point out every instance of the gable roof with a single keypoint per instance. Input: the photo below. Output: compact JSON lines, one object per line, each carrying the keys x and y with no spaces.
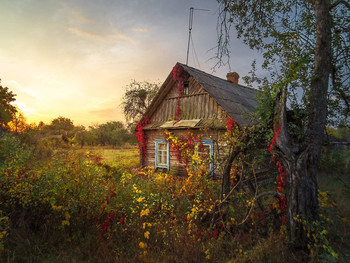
{"x":235,"y":100}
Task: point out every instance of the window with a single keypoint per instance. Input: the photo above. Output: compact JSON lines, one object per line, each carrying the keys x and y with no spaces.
{"x":186,"y":87}
{"x":162,"y":154}
{"x":207,"y":149}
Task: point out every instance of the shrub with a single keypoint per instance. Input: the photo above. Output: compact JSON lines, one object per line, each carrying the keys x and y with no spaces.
{"x":75,"y":208}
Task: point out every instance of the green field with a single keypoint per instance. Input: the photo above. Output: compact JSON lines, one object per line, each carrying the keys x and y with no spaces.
{"x":127,"y":157}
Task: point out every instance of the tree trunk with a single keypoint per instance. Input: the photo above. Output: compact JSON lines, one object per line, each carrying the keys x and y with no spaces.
{"x":301,"y":195}
{"x":319,"y":83}
{"x":300,"y":159}
{"x":301,"y":181}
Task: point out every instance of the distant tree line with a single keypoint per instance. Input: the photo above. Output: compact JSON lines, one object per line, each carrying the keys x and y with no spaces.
{"x":62,"y":132}
{"x":112,"y":133}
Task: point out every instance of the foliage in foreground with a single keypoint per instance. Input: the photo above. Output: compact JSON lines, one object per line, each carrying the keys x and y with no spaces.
{"x":74,"y":208}
{"x":305,"y":49}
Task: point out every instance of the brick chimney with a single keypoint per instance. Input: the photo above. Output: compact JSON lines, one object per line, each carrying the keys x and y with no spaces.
{"x":233,"y":77}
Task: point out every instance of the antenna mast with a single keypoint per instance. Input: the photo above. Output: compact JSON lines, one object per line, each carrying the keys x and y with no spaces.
{"x":190,"y":29}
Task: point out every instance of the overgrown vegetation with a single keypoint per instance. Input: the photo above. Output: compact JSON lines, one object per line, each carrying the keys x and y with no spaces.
{"x":306,"y":60}
{"x":61,"y":132}
{"x":75,"y":206}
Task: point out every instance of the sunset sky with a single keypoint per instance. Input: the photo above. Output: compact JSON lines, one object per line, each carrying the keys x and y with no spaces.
{"x":73,"y":58}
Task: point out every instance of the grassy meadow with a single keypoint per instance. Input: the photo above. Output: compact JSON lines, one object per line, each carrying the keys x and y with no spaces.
{"x":126,"y":157}
{"x":96,"y":204}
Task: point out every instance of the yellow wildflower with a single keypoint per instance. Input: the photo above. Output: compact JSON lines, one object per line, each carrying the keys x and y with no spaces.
{"x":67,"y":215}
{"x":144,"y":212}
{"x":65,"y":223}
{"x":140,"y":199}
{"x":207,"y":253}
{"x":57,"y":208}
{"x":146,"y":224}
{"x":142,"y":245}
{"x":146,"y":234}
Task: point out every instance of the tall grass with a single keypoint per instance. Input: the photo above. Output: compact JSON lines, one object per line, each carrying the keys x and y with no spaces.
{"x":98,"y":206}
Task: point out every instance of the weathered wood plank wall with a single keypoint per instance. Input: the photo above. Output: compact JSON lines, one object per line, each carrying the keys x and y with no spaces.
{"x":197,"y":104}
{"x":214,"y":135}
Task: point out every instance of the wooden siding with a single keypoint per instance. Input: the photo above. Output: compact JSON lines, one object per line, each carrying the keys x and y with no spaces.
{"x":197,"y":104}
{"x":175,"y":165}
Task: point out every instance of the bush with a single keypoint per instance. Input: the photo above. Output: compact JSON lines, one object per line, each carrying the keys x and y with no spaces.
{"x":75,"y":208}
{"x":13,"y":153}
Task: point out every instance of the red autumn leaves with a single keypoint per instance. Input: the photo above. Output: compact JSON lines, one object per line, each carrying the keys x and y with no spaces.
{"x":281,"y":177}
{"x":141,"y":137}
{"x":179,"y":79}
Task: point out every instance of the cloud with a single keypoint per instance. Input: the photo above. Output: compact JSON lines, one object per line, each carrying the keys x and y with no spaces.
{"x":83,"y":33}
{"x":77,"y":16}
{"x":16,"y":85}
{"x":81,"y":22}
{"x":98,"y":33}
{"x":140,"y":30}
{"x":24,"y":108}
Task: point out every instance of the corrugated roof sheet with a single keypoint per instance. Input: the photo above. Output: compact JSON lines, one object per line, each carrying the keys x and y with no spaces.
{"x":198,"y":124}
{"x":181,"y":123}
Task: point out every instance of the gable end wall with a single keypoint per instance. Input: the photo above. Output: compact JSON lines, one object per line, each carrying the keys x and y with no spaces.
{"x":197,"y":104}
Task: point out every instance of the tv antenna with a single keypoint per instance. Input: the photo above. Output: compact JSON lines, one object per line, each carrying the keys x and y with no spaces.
{"x":190,"y":29}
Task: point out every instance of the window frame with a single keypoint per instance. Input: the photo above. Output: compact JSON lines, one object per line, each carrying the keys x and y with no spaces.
{"x":207,"y":142}
{"x":185,"y":88}
{"x":156,"y":165}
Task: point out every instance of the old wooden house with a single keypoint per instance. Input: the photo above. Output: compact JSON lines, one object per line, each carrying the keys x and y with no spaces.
{"x":191,"y":99}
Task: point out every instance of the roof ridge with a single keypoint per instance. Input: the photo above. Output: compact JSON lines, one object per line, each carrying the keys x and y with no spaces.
{"x":203,"y":72}
{"x":235,"y":100}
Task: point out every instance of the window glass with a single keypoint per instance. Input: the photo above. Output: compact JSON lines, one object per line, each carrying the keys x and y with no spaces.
{"x":161,"y":146}
{"x":162,"y":154}
{"x":206,"y":152}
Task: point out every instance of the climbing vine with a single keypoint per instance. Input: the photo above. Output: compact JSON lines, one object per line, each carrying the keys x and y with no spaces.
{"x":179,"y":79}
{"x":186,"y":148}
{"x":230,"y":124}
{"x":281,"y":176}
{"x":141,"y":136}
